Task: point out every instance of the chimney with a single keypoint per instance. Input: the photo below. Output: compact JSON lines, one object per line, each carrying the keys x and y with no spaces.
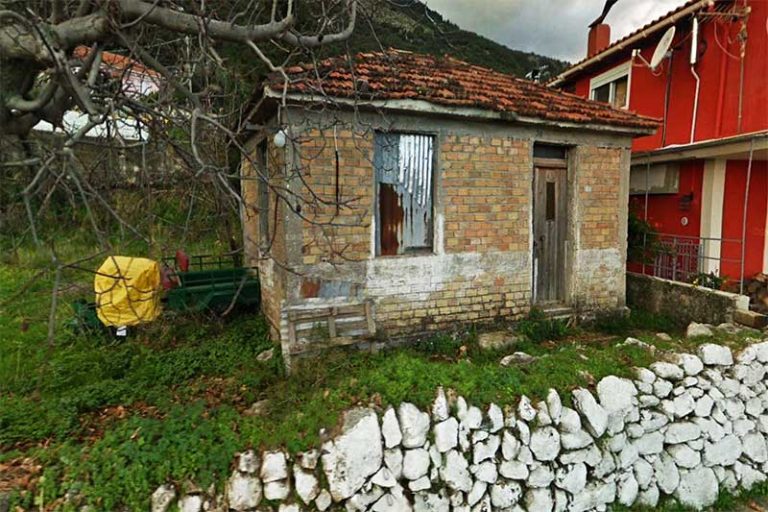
{"x":599,"y":38}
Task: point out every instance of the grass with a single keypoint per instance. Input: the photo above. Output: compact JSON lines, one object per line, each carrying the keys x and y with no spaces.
{"x":111,"y":421}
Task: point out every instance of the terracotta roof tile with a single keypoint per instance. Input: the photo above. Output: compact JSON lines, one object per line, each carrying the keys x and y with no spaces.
{"x":117,"y":65}
{"x":449,"y":82}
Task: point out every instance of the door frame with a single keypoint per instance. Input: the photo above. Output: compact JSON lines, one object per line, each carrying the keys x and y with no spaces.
{"x":563,"y":210}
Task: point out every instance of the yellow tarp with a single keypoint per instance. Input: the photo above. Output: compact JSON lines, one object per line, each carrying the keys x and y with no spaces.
{"x":127,"y":291}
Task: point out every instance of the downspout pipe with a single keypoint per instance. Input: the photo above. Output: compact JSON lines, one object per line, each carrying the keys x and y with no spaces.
{"x":744,"y":215}
{"x":694,"y":59}
{"x":695,"y":103}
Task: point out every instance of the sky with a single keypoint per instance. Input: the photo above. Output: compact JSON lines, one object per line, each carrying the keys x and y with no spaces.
{"x":555,"y":28}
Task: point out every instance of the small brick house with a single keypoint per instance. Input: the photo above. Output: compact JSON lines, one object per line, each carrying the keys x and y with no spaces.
{"x":400,"y":193}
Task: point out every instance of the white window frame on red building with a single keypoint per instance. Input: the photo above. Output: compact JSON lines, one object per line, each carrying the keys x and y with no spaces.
{"x":611,"y":77}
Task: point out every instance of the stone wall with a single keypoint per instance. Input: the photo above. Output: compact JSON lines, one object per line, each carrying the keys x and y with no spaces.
{"x":685,"y":428}
{"x":683,"y":301}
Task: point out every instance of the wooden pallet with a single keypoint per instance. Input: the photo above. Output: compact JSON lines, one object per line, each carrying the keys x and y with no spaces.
{"x":314,"y":324}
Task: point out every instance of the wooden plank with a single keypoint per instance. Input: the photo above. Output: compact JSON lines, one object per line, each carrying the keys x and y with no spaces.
{"x":369,"y":318}
{"x":332,"y":324}
{"x":292,"y":332}
{"x":550,"y":163}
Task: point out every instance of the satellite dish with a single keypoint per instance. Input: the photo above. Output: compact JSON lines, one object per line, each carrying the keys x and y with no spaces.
{"x":662,"y":48}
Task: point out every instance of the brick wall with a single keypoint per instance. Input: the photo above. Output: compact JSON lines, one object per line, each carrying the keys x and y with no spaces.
{"x":598,"y":277}
{"x":265,"y":251}
{"x":486,"y":191}
{"x":330,"y":233}
{"x":599,"y":189}
{"x":480,"y":266}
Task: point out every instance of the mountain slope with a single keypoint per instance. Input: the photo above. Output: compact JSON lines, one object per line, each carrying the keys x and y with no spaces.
{"x":411,"y":25}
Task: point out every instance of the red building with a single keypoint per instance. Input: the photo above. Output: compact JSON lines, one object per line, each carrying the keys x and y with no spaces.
{"x":702,"y":179}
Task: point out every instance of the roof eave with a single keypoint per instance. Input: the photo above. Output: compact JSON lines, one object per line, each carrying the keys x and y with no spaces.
{"x":425,"y":107}
{"x":623,"y":45}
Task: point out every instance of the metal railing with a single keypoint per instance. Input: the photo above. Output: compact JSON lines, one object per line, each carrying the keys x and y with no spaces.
{"x":688,"y":258}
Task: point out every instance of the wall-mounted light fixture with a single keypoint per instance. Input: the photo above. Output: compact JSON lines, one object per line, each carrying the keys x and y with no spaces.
{"x":280,"y":138}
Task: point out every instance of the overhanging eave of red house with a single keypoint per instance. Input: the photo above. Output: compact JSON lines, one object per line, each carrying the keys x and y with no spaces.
{"x":740,"y":146}
{"x":628,"y":42}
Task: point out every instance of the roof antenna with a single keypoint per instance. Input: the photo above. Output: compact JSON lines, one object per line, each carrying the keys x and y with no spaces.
{"x":606,"y":9}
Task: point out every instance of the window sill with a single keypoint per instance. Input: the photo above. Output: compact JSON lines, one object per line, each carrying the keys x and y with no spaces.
{"x":414,"y":253}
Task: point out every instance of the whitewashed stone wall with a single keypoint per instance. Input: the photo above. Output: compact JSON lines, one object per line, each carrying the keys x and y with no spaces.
{"x":686,"y":428}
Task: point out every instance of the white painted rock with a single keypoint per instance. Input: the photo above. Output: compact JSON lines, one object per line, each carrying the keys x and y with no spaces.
{"x":569,"y":420}
{"x":274,"y":467}
{"x":545,"y":443}
{"x":414,"y":425}
{"x":684,"y":456}
{"x":593,"y":415}
{"x":486,"y":450}
{"x":712,"y":354}
{"x":541,"y":476}
{"x":393,"y":501}
{"x":510,"y":446}
{"x":650,"y":444}
{"x":323,"y":500}
{"x":539,"y":500}
{"x":477,"y":492}
{"x":514,"y":470}
{"x":415,"y":463}
{"x":616,"y":394}
{"x":354,"y":455}
{"x":698,"y":488}
{"x":430,"y":502}
{"x":554,"y":405}
{"x":505,"y":494}
{"x":191,"y":503}
{"x":485,"y":472}
{"x":667,"y":371}
{"x":248,"y":462}
{"x":455,"y":472}
{"x":440,"y":410}
{"x":277,"y":490}
{"x":695,"y":330}
{"x":627,"y":489}
{"x":595,"y":495}
{"x":572,"y":478}
{"x":667,"y":474}
{"x":422,"y":484}
{"x":703,"y":406}
{"x":525,"y":409}
{"x":163,"y":497}
{"x":722,"y":453}
{"x":691,"y":364}
{"x":306,"y":484}
{"x":576,"y":440}
{"x":682,"y":433}
{"x":683,"y":405}
{"x":496,"y":417}
{"x":390,"y":429}
{"x":446,"y":435}
{"x":755,"y":448}
{"x":243,"y":492}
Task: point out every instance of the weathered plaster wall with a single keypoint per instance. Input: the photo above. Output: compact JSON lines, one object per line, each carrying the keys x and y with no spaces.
{"x":480,"y":265}
{"x":686,"y":429}
{"x":267,"y":251}
{"x":685,"y":301}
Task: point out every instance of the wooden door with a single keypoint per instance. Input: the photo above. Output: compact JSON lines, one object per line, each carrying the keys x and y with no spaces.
{"x":549,"y":231}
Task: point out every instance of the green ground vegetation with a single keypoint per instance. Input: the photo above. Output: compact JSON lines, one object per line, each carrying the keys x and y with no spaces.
{"x":111,"y":420}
